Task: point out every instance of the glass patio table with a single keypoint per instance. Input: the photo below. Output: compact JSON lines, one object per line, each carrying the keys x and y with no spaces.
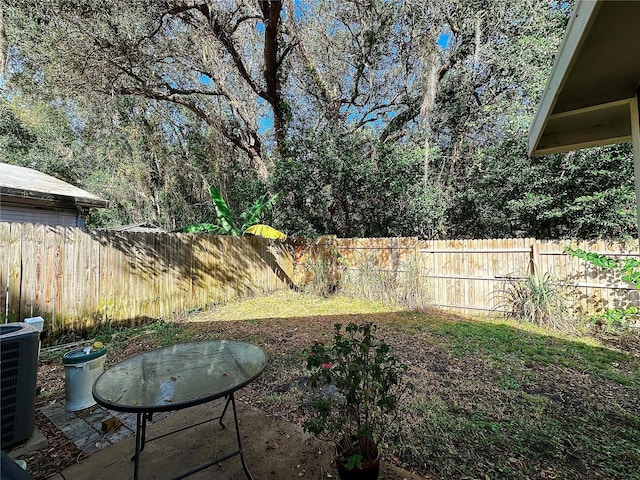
{"x":177,"y":377}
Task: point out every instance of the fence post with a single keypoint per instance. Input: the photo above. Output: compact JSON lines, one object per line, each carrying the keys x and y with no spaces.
{"x":534,"y":257}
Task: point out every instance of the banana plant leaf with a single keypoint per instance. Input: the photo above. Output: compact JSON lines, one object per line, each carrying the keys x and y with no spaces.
{"x":252,"y":216}
{"x":223,"y":215}
{"x":265,"y":231}
{"x":227,"y":226}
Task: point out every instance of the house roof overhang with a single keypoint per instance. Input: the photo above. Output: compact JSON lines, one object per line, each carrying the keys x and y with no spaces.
{"x":588,"y":98}
{"x":23,"y":185}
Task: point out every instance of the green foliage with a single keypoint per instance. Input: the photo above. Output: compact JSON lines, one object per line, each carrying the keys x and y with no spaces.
{"x":153,"y":164}
{"x":226,"y":225}
{"x":629,"y":268}
{"x":254,"y":214}
{"x":357,"y":386}
{"x":585,"y":194}
{"x":201,"y":228}
{"x":38,"y":135}
{"x":225,"y":221}
{"x":352,"y":117}
{"x":594,"y":258}
{"x":533,"y":299}
{"x":617,"y":319}
{"x":351,"y":185}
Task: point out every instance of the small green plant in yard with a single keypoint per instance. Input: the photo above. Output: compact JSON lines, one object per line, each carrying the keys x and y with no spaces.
{"x":534,"y":299}
{"x":617,"y":319}
{"x":167,"y":331}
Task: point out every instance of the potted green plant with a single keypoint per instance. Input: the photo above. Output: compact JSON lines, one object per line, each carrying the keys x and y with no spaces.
{"x":356,"y":386}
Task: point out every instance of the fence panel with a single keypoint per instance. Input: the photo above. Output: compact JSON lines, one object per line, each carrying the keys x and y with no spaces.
{"x":468,"y":275}
{"x":76,"y":279}
{"x":367,"y":264}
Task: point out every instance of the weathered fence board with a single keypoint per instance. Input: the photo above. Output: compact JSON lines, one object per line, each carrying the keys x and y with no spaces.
{"x":466,"y":274}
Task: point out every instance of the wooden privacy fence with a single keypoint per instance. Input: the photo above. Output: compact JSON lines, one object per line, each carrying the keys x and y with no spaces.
{"x":74,"y":278}
{"x":468,"y":275}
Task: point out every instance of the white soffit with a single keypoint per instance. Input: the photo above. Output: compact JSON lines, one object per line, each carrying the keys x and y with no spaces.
{"x":594,"y":78}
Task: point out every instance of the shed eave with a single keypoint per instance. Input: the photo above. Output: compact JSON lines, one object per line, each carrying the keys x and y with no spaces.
{"x":17,"y":194}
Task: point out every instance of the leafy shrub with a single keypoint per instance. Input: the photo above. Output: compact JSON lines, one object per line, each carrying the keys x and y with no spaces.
{"x":617,"y":319}
{"x":357,"y":387}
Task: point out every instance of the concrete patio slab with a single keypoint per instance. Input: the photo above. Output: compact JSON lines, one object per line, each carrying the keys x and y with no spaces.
{"x":273,"y":449}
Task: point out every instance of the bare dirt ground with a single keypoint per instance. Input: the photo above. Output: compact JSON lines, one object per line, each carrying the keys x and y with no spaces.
{"x":456,"y":380}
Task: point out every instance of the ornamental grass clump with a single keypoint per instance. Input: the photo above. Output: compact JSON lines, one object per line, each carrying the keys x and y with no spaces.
{"x":357,"y":384}
{"x":537,"y":300}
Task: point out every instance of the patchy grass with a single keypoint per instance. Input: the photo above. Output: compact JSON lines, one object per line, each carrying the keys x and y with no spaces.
{"x":495,"y":400}
{"x":491,"y":399}
{"x":287,"y":304}
{"x":501,"y":341}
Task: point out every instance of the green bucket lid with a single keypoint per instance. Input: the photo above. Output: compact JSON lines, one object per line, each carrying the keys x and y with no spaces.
{"x":78,"y":356}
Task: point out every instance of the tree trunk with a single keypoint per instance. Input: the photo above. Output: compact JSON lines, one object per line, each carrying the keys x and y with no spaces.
{"x":271,"y":10}
{"x":428,"y":101}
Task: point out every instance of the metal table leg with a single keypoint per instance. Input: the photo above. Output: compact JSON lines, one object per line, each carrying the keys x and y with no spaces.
{"x":141,"y":433}
{"x":224,"y":410}
{"x":235,"y":418}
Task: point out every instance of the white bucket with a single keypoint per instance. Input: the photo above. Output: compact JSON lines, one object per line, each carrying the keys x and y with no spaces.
{"x":81,"y":370}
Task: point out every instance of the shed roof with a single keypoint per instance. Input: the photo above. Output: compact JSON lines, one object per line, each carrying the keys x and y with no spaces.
{"x":22,"y":182}
{"x":588,"y":96}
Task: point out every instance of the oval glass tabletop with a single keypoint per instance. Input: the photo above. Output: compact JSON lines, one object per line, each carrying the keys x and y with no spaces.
{"x":179,"y":376}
